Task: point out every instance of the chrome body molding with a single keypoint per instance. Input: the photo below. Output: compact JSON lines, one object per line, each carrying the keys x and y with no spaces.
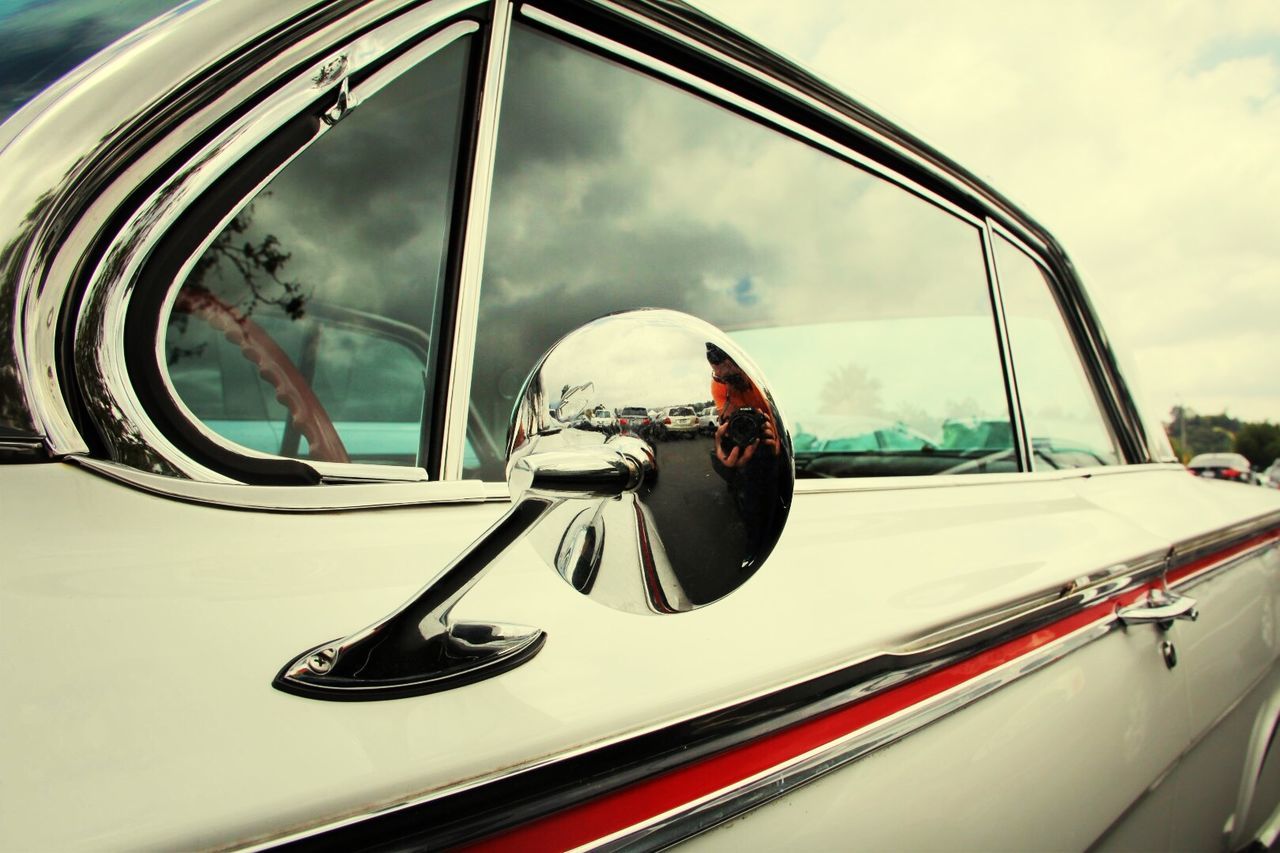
{"x":782,"y":706}
{"x":332,"y":498}
{"x":1187,"y":552}
{"x":1260,"y":745}
{"x":699,"y":816}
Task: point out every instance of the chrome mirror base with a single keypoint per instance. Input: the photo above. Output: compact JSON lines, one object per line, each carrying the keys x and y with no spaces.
{"x":463,"y":653}
{"x":676,"y":543}
{"x":418,"y":649}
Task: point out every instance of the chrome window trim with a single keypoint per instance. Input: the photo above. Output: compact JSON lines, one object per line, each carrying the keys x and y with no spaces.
{"x":741,"y":104}
{"x":99,"y":338}
{"x":52,"y":248}
{"x":498,"y":491}
{"x":35,"y":304}
{"x":347,"y":496}
{"x":475,"y":232}
{"x":1054,"y":283}
{"x":1020,"y":439}
{"x":227,"y":157}
{"x":1120,"y":408}
{"x":952,"y":180}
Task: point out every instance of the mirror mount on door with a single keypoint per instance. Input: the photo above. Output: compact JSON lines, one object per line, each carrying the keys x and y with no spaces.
{"x":674,"y":543}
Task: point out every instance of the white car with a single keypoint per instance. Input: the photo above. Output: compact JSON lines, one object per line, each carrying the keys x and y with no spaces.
{"x":603,"y":419}
{"x":678,"y":421}
{"x":296,"y":553}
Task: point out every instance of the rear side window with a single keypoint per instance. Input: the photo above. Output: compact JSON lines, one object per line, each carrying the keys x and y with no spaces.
{"x":1063,"y":417}
{"x":304,"y":329}
{"x":867,"y":307}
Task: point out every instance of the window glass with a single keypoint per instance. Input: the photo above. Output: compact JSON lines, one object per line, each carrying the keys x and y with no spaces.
{"x":1061,"y":412}
{"x":329,"y":278}
{"x":867,"y":308}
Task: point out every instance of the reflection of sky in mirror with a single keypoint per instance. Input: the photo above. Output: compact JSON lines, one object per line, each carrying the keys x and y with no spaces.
{"x":615,"y":191}
{"x":651,"y":366}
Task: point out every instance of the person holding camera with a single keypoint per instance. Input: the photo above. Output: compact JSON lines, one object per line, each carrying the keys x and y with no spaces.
{"x":746,"y":419}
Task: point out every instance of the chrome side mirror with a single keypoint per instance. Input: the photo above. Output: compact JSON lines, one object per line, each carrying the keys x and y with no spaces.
{"x":650,"y":466}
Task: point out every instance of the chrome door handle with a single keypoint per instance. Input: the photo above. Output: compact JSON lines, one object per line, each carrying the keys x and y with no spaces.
{"x":1160,"y":608}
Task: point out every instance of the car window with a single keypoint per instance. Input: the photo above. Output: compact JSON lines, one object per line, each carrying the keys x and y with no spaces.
{"x":867,"y":307}
{"x":329,"y":278}
{"x":1063,"y":417}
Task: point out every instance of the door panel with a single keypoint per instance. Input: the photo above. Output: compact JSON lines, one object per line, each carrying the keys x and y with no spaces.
{"x":1047,"y":763}
{"x":176,"y":616}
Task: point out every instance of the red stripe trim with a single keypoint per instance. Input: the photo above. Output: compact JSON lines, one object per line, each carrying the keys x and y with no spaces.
{"x":1184,"y":572}
{"x":645,"y":800}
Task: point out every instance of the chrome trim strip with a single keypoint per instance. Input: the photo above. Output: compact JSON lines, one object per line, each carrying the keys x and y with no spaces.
{"x":353,"y":496}
{"x":343,"y":66}
{"x":810,"y":102}
{"x":63,"y":227}
{"x":1206,"y":544}
{"x":707,"y":812}
{"x":475,"y":232}
{"x":1017,"y":423}
{"x":1054,"y":283}
{"x":945,"y":645}
{"x":1260,"y":739}
{"x":738,"y":102}
{"x":99,"y":345}
{"x":859,"y":484}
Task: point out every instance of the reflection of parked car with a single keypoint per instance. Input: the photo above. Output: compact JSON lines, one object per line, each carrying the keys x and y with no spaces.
{"x":1222,"y":466}
{"x":207,"y":477}
{"x":635,"y":420}
{"x":603,"y":420}
{"x":708,"y":420}
{"x":681,"y":421}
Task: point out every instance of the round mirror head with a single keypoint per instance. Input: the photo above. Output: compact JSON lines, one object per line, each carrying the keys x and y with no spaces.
{"x":665,"y":457}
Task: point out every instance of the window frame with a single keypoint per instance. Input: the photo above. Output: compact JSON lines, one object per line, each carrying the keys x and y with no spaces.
{"x":1075,"y":323}
{"x":654,"y":64}
{"x":257,"y":147}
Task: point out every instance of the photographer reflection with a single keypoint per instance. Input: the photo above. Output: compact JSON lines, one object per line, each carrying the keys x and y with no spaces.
{"x":747,"y":450}
{"x":746,"y":418}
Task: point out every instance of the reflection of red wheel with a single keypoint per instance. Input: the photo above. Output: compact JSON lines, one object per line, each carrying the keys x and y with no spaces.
{"x":274,"y":365}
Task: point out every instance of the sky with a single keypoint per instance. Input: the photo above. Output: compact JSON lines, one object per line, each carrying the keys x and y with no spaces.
{"x":1143,"y":135}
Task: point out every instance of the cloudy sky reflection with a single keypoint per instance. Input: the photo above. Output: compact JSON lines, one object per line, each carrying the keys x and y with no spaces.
{"x":1144,"y":135}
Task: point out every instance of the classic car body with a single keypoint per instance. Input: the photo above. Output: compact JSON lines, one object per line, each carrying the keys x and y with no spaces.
{"x":950,"y":647}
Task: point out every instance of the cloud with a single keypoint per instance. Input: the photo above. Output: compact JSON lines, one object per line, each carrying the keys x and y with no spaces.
{"x":1143,"y":135}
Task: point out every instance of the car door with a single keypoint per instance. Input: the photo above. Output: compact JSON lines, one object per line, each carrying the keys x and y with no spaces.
{"x":289,"y":331}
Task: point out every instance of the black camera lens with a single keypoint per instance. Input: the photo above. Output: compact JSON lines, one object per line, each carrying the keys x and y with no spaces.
{"x":744,"y":428}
